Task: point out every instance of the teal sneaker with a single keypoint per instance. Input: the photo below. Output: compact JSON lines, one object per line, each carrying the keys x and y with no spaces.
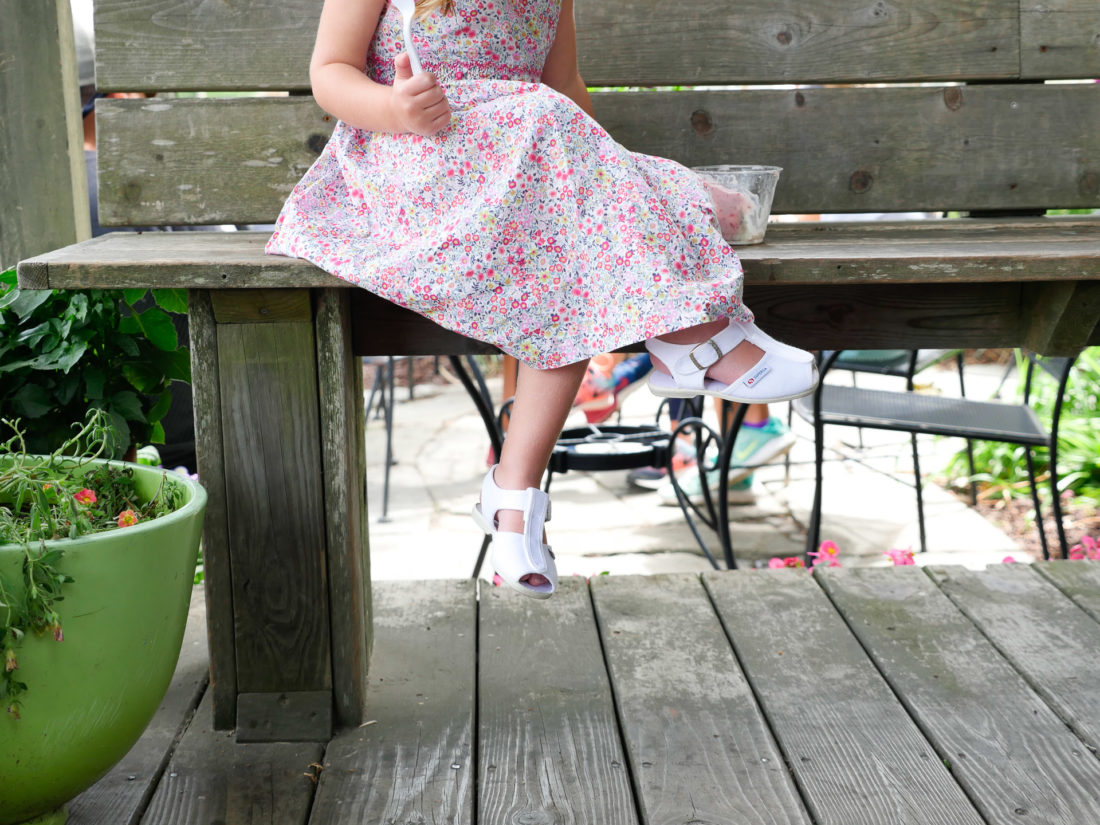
{"x":757,"y":446}
{"x":740,"y":487}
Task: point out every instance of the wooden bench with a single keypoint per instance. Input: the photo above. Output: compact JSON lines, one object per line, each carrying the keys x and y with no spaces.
{"x":949,"y":111}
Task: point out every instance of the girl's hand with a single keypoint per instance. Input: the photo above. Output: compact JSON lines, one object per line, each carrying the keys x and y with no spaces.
{"x":418,"y":100}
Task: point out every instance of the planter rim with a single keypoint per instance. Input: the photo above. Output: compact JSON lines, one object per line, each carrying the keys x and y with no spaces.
{"x":197,"y":502}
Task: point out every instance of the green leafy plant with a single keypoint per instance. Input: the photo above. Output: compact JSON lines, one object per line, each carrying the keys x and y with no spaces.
{"x":1003,"y":467}
{"x":58,"y":496}
{"x":64,"y":352}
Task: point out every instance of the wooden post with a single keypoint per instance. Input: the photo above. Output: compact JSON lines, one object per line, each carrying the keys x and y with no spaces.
{"x":42,"y":177}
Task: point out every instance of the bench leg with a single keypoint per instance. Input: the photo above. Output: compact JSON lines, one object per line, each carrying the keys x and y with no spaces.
{"x":278,"y":430}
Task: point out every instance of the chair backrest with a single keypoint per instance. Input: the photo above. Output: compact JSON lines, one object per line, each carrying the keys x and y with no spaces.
{"x":868,"y":107}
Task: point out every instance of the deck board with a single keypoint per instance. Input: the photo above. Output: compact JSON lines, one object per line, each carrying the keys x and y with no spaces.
{"x":856,"y":754}
{"x":399,"y":766}
{"x":699,"y":748}
{"x":847,"y":697}
{"x":1005,"y":746}
{"x":1046,"y":637}
{"x":548,"y":739}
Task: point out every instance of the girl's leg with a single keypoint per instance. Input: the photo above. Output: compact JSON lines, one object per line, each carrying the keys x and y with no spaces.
{"x":543,"y":400}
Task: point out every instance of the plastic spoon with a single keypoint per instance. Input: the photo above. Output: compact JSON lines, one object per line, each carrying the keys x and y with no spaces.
{"x":408,"y":10}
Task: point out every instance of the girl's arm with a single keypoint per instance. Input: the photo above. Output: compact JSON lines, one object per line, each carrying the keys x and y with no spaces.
{"x":413,"y":104}
{"x":560,"y":71}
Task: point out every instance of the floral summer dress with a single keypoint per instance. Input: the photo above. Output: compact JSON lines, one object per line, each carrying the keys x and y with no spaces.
{"x":522,"y":223}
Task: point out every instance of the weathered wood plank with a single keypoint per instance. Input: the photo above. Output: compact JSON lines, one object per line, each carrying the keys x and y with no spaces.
{"x":120,"y":797}
{"x":1058,"y":38}
{"x":790,"y":42}
{"x":189,"y":44}
{"x":834,"y":254}
{"x":841,"y":149}
{"x":210,"y":454}
{"x":260,"y":306}
{"x":291,"y":716}
{"x":548,"y":743}
{"x":146,"y":45}
{"x":1050,"y":640}
{"x":213,"y":779}
{"x":857,"y":756}
{"x":1005,"y":746}
{"x":42,"y":172}
{"x":270,"y":429}
{"x":343,"y":451}
{"x":699,"y":748}
{"x":1079,"y":581}
{"x":413,"y":760}
{"x":1063,"y":316}
{"x":165,"y":161}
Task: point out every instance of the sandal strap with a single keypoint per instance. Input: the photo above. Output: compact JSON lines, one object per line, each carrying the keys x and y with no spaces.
{"x":689,"y":363}
{"x":494,"y":498}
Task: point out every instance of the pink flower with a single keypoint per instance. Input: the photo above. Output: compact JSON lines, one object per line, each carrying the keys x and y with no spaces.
{"x":127,"y":518}
{"x":901,"y":557}
{"x":774,"y":563}
{"x":1089,"y":548}
{"x":1008,"y":560}
{"x":85,"y":496}
{"x":825,"y":554}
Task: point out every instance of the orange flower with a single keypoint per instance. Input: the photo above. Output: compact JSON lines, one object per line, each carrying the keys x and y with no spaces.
{"x":85,"y":496}
{"x":127,"y":518}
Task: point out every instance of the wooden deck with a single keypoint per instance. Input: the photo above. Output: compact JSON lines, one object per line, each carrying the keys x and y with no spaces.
{"x":850,"y":696}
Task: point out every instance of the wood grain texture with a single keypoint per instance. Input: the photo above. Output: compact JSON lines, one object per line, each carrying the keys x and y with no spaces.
{"x":413,"y":760}
{"x":830,"y":253}
{"x":548,"y":742}
{"x":1005,"y":746}
{"x":210,"y":454}
{"x":699,"y":748}
{"x":212,"y":779}
{"x":205,"y":161}
{"x":343,"y":453}
{"x":284,"y":716}
{"x":1050,"y":640}
{"x":120,"y":797}
{"x":274,"y":499}
{"x":146,"y":45}
{"x":841,"y":149}
{"x":856,"y":755}
{"x":42,"y":173}
{"x":261,"y":306}
{"x":189,"y":44}
{"x":1080,"y":582}
{"x":1058,"y":38}
{"x":1064,"y":316}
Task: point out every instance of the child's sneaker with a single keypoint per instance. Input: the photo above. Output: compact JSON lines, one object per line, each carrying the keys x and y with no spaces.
{"x":756,"y":446}
{"x":597,"y":381}
{"x":625,"y":377}
{"x":740,"y":488}
{"x":652,"y":478}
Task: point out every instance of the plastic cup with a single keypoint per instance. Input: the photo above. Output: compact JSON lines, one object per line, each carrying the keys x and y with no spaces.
{"x":742,"y":197}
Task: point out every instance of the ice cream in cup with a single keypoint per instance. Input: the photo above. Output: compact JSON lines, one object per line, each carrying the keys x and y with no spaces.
{"x":742,"y":198}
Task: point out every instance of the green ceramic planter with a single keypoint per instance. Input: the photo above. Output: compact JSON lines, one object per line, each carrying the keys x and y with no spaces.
{"x":90,"y":697}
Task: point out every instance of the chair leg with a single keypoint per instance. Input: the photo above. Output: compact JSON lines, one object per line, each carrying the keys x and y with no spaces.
{"x":813,"y":529}
{"x":481,"y":556}
{"x":920,"y":492}
{"x":387,"y":401}
{"x":1038,"y":505}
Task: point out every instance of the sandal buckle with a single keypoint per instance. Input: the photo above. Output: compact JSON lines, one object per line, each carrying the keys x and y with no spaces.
{"x":717,"y":354}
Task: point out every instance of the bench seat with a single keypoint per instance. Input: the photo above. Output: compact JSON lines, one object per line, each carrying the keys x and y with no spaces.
{"x":1027,"y":279}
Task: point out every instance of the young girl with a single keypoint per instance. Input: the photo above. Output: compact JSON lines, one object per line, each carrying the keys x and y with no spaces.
{"x":482,"y":194}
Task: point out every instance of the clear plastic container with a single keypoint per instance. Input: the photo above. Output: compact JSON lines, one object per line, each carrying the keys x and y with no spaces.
{"x":742,"y":197}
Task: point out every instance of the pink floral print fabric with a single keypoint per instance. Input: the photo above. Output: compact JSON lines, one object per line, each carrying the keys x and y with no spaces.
{"x":523,"y":223}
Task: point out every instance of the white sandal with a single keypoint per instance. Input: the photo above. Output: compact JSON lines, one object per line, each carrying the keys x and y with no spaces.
{"x":782,"y":373}
{"x":516,"y":555}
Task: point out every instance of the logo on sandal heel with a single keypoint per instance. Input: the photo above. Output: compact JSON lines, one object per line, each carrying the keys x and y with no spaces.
{"x":756,"y":376}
